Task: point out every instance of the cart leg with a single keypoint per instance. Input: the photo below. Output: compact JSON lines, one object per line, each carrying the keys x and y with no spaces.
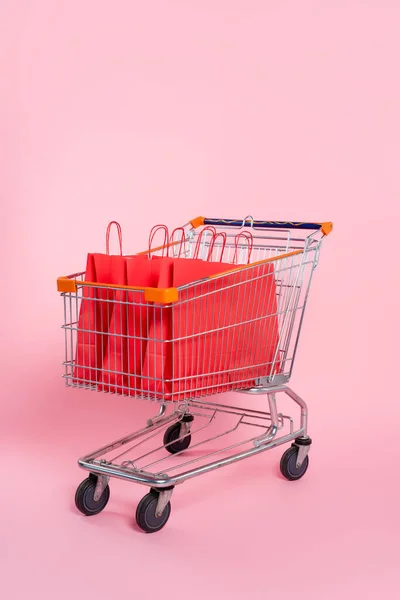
{"x":303,"y":407}
{"x":164,"y":496}
{"x":303,"y":442}
{"x":273,"y":428}
{"x":101,"y":484}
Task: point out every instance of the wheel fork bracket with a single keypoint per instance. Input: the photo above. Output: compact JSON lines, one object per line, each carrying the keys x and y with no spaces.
{"x":303,"y":444}
{"x":164,"y":496}
{"x":101,"y":484}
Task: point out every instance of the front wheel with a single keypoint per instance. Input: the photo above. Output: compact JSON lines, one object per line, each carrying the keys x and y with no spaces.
{"x":146,"y":513}
{"x":84,"y":497}
{"x":289,"y":468}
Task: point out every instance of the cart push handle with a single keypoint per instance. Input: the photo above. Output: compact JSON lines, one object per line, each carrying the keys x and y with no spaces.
{"x":325,"y":227}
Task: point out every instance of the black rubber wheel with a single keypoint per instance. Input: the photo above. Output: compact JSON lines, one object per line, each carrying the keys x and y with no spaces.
{"x":84,"y":497}
{"x":174,"y":433}
{"x":288,"y":464}
{"x":146,"y":513}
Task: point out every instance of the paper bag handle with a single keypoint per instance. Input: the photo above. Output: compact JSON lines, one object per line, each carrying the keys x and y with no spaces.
{"x":153,"y":232}
{"x":118,"y":226}
{"x":223,"y":235}
{"x":247,"y":235}
{"x":173,"y":243}
{"x":199,"y":238}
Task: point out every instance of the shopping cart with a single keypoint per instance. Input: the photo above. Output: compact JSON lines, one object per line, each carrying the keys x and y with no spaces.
{"x":175,"y":445}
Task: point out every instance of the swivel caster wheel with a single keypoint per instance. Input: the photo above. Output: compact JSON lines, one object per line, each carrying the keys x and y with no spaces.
{"x":150,"y":515}
{"x":175,"y":439}
{"x":85,"y":500}
{"x":289,"y":460}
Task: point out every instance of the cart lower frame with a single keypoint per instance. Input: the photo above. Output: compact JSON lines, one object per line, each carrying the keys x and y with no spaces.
{"x":162,"y":482}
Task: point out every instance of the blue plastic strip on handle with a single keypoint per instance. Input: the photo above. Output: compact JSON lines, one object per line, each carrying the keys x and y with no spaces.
{"x":268,"y":224}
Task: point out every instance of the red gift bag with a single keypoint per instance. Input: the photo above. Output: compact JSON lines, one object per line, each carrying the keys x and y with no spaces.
{"x":96,"y":312}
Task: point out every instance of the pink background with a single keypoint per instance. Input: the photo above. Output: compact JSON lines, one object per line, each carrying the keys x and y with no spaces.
{"x":160,"y":111}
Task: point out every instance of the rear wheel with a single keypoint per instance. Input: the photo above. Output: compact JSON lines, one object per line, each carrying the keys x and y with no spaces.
{"x":173,"y":440}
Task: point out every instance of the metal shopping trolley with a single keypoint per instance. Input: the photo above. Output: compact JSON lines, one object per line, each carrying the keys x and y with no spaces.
{"x":184,"y":439}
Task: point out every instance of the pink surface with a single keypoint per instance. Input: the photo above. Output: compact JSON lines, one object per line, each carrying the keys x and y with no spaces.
{"x":161,"y":111}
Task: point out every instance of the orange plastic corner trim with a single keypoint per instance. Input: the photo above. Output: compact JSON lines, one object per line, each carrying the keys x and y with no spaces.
{"x":197,"y":222}
{"x":326,"y":227}
{"x":65,"y":285}
{"x":161,"y":295}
